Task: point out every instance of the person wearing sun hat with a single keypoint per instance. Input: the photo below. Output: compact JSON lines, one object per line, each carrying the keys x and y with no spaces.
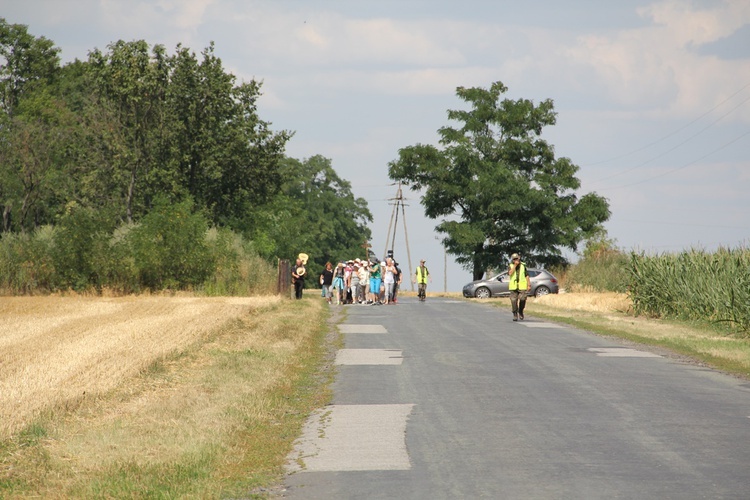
{"x":338,"y":282}
{"x":519,"y":286}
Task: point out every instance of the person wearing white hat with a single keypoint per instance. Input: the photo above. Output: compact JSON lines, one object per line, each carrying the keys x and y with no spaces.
{"x":298,"y":277}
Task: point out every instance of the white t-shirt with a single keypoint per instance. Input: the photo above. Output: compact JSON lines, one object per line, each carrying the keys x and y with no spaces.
{"x":390,"y":277}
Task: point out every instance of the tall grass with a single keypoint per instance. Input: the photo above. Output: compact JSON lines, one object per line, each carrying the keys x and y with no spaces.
{"x":694,"y":285}
{"x":239,"y":269}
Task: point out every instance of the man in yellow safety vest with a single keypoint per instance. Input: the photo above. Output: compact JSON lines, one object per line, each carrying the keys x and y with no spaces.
{"x":422,"y":275}
{"x":519,"y":286}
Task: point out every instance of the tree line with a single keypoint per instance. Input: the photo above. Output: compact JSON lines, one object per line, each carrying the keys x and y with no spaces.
{"x":135,"y":130}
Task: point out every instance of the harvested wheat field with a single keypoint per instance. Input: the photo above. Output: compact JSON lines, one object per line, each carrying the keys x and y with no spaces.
{"x":155,"y":396}
{"x":56,"y":350}
{"x":602,"y":302}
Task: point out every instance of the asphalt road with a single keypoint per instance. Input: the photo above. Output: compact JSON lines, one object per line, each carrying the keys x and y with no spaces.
{"x":451,"y":399}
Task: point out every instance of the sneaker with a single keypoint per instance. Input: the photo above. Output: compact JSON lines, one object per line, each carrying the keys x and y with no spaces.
{"x":515,"y":317}
{"x":520,"y":316}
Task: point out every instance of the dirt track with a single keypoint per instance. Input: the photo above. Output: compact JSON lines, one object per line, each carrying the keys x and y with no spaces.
{"x":55,"y":350}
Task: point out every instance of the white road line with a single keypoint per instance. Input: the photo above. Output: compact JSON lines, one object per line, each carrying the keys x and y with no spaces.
{"x":353,"y":438}
{"x":621,"y":352}
{"x":535,"y":324}
{"x":369,"y":357}
{"x":362,"y":329}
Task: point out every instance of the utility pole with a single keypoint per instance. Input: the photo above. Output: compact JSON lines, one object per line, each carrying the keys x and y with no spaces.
{"x":445,"y":270}
{"x":398,"y":204}
{"x":445,"y":266}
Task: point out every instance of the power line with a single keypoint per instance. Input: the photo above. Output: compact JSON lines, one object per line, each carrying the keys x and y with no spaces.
{"x":725,"y":145}
{"x":638,"y":150}
{"x":676,"y":146}
{"x":683,"y":224}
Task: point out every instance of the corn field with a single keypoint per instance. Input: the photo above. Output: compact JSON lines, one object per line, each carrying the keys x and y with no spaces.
{"x":694,"y":285}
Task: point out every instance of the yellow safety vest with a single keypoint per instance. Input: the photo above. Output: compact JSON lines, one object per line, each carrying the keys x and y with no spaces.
{"x":519,"y":279}
{"x":422,"y":277}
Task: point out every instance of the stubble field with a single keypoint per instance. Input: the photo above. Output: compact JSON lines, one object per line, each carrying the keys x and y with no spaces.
{"x":153,"y":395}
{"x":54,"y":350}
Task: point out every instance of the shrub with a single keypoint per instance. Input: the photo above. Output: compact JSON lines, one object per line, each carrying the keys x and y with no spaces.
{"x":239,"y":268}
{"x":80,"y":240}
{"x":602,"y":268}
{"x":169,"y":247}
{"x":116,"y":264}
{"x":26,"y":263}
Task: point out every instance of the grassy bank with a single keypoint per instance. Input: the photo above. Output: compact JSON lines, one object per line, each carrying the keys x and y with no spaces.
{"x":611,"y":314}
{"x":202,"y":397}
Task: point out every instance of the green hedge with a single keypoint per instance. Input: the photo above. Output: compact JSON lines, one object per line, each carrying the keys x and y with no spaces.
{"x":172,"y":247}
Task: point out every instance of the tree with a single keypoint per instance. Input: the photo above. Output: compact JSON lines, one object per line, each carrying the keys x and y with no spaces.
{"x":497,"y":184}
{"x":25,"y":62}
{"x":222,"y":154}
{"x":33,"y":161}
{"x":315,"y":213}
{"x":27,"y":66}
{"x":134,"y":81}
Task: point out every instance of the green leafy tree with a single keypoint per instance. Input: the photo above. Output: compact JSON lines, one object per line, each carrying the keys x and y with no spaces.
{"x":221,"y":153}
{"x":497,"y":184}
{"x":28,"y":65}
{"x":316,"y":213}
{"x":134,"y":79}
{"x":26,"y":62}
{"x":34,"y":161}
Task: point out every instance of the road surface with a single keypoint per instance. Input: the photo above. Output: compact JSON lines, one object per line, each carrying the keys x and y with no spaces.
{"x":451,"y":399}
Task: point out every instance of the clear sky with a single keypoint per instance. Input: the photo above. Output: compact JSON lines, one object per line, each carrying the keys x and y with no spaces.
{"x":653,"y":96}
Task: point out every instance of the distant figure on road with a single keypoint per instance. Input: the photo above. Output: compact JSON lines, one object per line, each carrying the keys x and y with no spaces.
{"x":519,"y":286}
{"x":421,"y":276}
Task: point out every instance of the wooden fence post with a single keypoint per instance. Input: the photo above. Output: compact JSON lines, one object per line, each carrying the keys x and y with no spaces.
{"x":284,"y":280}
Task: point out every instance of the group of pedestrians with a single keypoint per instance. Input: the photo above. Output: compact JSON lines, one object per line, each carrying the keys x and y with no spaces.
{"x":374,"y":283}
{"x":364,"y":282}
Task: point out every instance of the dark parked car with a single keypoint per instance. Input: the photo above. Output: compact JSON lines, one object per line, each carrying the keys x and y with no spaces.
{"x":542,"y":283}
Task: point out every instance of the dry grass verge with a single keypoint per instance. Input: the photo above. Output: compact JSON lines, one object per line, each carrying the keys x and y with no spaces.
{"x":611,"y":314}
{"x":196,"y":397}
